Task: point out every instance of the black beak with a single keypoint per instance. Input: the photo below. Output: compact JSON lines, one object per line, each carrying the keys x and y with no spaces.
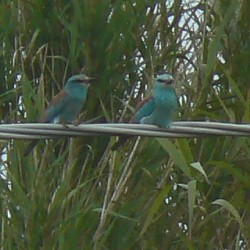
{"x":169,"y":82}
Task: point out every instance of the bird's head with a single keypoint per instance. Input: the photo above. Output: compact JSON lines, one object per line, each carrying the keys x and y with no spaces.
{"x":164,"y":79}
{"x":81,"y":79}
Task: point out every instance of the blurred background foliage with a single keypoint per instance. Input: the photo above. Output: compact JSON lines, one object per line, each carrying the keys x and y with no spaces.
{"x":151,"y":193}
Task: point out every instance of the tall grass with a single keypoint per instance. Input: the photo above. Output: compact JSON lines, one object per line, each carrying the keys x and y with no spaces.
{"x":151,"y":193}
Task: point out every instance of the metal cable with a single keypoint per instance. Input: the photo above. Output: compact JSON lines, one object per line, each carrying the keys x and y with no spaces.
{"x":180,"y":129}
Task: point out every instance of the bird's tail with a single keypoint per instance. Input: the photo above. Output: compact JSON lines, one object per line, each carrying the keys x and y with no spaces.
{"x":120,"y":142}
{"x":30,"y":147}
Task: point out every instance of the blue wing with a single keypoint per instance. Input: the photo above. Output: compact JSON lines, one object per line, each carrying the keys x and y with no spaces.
{"x":55,"y":107}
{"x":145,"y":108}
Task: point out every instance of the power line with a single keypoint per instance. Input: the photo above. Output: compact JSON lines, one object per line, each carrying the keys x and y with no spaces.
{"x":180,"y":129}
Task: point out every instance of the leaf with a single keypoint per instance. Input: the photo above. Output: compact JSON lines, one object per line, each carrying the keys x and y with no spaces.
{"x":198,"y":167}
{"x":234,"y":86}
{"x":105,"y":112}
{"x":185,"y":149}
{"x":118,"y":215}
{"x":216,"y":43}
{"x":176,"y":155}
{"x":236,"y":172}
{"x":191,"y":202}
{"x":230,"y":208}
{"x":158,"y":201}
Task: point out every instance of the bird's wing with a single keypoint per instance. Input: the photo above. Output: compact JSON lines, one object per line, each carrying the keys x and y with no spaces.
{"x":55,"y":107}
{"x":143,"y":109}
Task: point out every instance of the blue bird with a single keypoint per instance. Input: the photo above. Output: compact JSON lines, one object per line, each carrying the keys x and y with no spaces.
{"x":158,"y":109}
{"x":66,"y":105}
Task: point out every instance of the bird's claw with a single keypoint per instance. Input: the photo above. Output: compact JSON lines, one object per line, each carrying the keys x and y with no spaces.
{"x":76,"y":123}
{"x":65,"y":125}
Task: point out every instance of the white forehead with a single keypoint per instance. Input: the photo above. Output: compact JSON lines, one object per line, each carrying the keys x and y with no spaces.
{"x":80,"y":77}
{"x":164,"y":77}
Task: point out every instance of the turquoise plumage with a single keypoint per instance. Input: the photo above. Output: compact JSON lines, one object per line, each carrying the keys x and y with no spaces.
{"x":158,"y":109}
{"x":66,"y":105}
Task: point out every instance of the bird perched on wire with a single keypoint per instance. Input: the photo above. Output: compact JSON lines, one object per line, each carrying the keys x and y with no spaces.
{"x":158,"y":109}
{"x":66,"y":105}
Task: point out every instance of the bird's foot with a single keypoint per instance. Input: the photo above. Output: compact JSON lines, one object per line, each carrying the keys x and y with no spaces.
{"x":65,"y":125}
{"x":166,"y":126}
{"x":76,"y":123}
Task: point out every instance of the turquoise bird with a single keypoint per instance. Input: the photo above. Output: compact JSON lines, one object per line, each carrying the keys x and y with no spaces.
{"x":158,"y":109}
{"x":66,"y":105}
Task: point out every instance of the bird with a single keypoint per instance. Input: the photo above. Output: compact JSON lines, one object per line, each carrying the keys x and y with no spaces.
{"x":158,"y":109}
{"x":66,"y":105}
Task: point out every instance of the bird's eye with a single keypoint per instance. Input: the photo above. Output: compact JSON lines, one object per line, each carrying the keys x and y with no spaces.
{"x":169,"y":81}
{"x":160,"y":80}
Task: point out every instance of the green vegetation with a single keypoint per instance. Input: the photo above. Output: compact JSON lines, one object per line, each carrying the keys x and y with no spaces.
{"x":151,"y":193}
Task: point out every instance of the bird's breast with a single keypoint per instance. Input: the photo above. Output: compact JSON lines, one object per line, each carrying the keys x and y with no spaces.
{"x":70,"y":112}
{"x":166,"y":99}
{"x":78,"y":93}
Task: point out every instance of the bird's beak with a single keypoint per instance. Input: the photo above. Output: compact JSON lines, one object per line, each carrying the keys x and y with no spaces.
{"x":169,"y":82}
{"x":90,"y":79}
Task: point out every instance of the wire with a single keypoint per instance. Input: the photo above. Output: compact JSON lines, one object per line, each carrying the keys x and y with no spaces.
{"x":180,"y":129}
